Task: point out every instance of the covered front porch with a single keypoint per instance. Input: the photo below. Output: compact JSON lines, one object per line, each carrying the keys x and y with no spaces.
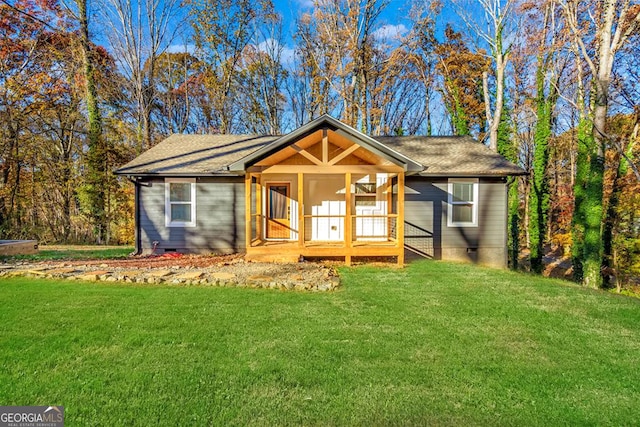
{"x":325,"y":190}
{"x":318,"y":214}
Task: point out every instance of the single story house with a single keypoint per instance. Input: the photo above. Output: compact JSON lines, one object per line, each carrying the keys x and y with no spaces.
{"x":323,"y":190}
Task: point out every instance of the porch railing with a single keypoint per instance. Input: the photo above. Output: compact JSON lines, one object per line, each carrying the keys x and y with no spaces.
{"x":363,"y":228}
{"x":332,"y":228}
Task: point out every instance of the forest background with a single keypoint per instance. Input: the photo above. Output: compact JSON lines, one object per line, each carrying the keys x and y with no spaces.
{"x":553,"y":85}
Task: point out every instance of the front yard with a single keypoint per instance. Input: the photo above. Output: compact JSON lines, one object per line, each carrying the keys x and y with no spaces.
{"x":434,"y":343}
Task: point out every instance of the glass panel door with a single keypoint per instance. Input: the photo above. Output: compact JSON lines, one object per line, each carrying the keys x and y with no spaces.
{"x":278,"y":211}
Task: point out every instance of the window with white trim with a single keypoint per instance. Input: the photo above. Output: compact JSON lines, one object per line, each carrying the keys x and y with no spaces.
{"x":463,"y":203}
{"x":180,"y":202}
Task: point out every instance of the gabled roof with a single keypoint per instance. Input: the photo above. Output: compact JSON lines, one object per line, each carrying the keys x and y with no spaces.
{"x":192,"y":155}
{"x":327,"y":122}
{"x":181,"y":155}
{"x":451,"y":155}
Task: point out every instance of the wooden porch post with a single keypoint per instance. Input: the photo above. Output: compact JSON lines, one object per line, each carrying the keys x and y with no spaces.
{"x":259,"y":207}
{"x":300,"y":209}
{"x":389,"y":204}
{"x":247,"y":210}
{"x":347,"y":219}
{"x":400,"y":224}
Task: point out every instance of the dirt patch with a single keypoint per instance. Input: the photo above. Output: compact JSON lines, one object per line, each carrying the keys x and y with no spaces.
{"x":177,"y":269}
{"x":167,"y":260}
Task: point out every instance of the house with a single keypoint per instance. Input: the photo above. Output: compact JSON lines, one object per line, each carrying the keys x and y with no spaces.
{"x":323,"y":190}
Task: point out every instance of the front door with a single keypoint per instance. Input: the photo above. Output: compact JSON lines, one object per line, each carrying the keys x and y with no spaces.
{"x":278,"y":211}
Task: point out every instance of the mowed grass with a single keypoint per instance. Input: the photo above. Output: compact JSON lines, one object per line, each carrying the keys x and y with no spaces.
{"x":432,"y":344}
{"x":73,"y":252}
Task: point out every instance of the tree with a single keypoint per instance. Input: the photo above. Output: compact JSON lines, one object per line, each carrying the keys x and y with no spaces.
{"x":24,"y":34}
{"x":96,"y":165}
{"x":338,"y":54}
{"x":544,"y":48}
{"x":461,"y":71}
{"x":262,"y":70}
{"x":311,"y":90}
{"x":397,"y":103}
{"x":621,"y":243}
{"x":421,"y":43}
{"x":598,"y":35}
{"x":175,"y":76}
{"x":43,"y":112}
{"x":495,"y":29}
{"x":222,"y":30}
{"x":139,"y":33}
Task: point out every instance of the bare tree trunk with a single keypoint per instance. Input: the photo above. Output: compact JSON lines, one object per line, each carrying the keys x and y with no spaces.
{"x":497,"y":13}
{"x":95,"y":177}
{"x":615,"y":21}
{"x":139,"y":37}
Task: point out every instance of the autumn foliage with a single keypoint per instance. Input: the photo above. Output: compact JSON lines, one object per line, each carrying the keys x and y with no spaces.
{"x":77,"y":100}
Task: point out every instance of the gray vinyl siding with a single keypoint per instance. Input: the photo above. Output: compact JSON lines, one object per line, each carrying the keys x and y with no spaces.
{"x":220,"y":224}
{"x":428,"y":235}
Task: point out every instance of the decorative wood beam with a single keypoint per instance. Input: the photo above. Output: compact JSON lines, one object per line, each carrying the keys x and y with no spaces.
{"x":337,"y":169}
{"x":325,"y":147}
{"x":307,"y":155}
{"x":344,"y":154}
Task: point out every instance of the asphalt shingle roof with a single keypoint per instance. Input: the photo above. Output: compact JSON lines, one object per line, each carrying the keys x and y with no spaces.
{"x":194,"y":154}
{"x":451,"y":155}
{"x":211,"y":154}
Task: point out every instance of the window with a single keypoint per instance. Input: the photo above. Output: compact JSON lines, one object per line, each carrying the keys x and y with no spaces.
{"x":180,"y":202}
{"x":365,"y":194}
{"x":463,"y":203}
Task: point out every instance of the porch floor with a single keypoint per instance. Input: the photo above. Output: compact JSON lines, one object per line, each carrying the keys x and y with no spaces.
{"x":290,"y":251}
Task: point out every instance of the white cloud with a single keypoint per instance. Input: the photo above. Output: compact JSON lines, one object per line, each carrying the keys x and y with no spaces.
{"x":304,"y":4}
{"x":181,"y":48}
{"x":390,"y":32}
{"x":287,"y":54}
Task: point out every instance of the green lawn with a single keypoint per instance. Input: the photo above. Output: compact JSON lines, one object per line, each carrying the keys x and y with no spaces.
{"x":433,"y":344}
{"x":74,"y":252}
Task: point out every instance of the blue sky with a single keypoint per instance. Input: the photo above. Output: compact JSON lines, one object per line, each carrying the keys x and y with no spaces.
{"x":392,"y":22}
{"x":394,"y":14}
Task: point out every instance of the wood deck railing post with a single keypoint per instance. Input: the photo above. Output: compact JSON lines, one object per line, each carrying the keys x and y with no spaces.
{"x":247,"y":212}
{"x":300,"y":209}
{"x":400,"y":219}
{"x":389,"y":191}
{"x":348,"y":238}
{"x":259,"y":207}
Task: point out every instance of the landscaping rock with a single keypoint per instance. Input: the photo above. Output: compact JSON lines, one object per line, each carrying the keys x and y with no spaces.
{"x":88,"y":277}
{"x":160,"y":273}
{"x":188,"y":270}
{"x":223,"y":276}
{"x":62,"y":271}
{"x":193,"y":275}
{"x":130,"y":274}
